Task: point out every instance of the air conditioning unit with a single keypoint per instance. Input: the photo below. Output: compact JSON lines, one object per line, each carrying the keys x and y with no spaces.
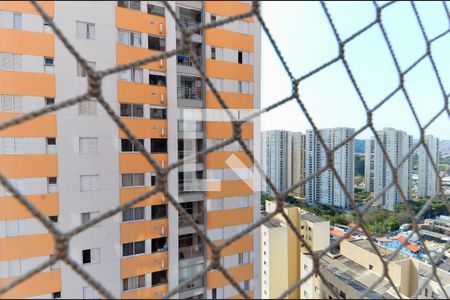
{"x":161,"y":63}
{"x":163,"y":230}
{"x":163,"y":264}
{"x":160,"y":28}
{"x":162,"y":98}
{"x":162,"y":132}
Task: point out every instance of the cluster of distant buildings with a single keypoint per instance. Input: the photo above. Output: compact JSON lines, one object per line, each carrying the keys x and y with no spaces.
{"x":288,"y":157}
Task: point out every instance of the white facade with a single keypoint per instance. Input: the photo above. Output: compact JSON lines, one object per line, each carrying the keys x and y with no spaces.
{"x":428,"y":180}
{"x":325,"y":188}
{"x":369,"y":164}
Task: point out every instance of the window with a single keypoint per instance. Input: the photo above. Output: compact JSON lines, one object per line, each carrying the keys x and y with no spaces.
{"x":10,"y":62}
{"x":85,"y":30}
{"x":213,"y":52}
{"x":159,"y":245}
{"x":155,"y":10}
{"x":49,"y":101}
{"x":9,"y":19}
{"x":158,"y":113}
{"x":213,"y":18}
{"x":133,"y":248}
{"x":157,"y":80}
{"x":56,"y":295}
{"x":158,"y":145}
{"x":130,"y":38}
{"x":52,"y":184}
{"x":88,"y":145}
{"x":244,"y":258}
{"x":342,"y":294}
{"x":214,"y":291}
{"x":90,"y":293}
{"x":156,"y":43}
{"x":53,"y":219}
{"x":11,"y":103}
{"x":305,"y":267}
{"x":159,"y":211}
{"x":81,"y":70}
{"x":133,"y":283}
{"x":243,"y":87}
{"x":133,"y":179}
{"x":246,"y":285}
{"x":89,"y":183}
{"x":128,"y":146}
{"x":133,"y":75}
{"x":136,"y":5}
{"x":91,"y":256}
{"x":217,"y":53}
{"x":133,"y":214}
{"x":426,"y":292}
{"x":370,"y":267}
{"x":239,"y":57}
{"x":51,"y":145}
{"x":87,"y":216}
{"x":87,"y":108}
{"x":159,"y":278}
{"x":132,"y":110}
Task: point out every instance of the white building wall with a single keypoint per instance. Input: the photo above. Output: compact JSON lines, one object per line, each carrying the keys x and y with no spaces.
{"x":428,"y":181}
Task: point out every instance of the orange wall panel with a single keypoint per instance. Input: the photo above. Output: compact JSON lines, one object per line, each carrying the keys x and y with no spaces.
{"x":134,"y":20}
{"x":39,"y":284}
{"x":43,"y":126}
{"x":137,"y":163}
{"x":131,"y":92}
{"x":26,"y":246}
{"x":229,"y":70}
{"x":239,"y":273}
{"x":244,"y":244}
{"x":228,"y":8}
{"x":239,"y":296}
{"x":12,"y":83}
{"x":26,"y":7}
{"x":229,"y":39}
{"x":29,"y":165}
{"x":230,"y":217}
{"x":218,"y":160}
{"x":27,"y":42}
{"x":127,"y":54}
{"x":229,"y":188}
{"x":233,"y":100}
{"x":224,"y":130}
{"x":143,"y":264}
{"x":142,"y":230}
{"x":12,"y":209}
{"x":148,"y":293}
{"x":145,"y":127}
{"x":127,"y":194}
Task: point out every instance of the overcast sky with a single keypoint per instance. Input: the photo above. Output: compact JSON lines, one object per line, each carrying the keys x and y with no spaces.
{"x":306,"y":40}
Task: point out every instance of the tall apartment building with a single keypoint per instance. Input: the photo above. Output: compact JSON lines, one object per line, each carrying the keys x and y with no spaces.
{"x":283,"y":159}
{"x":281,"y":250}
{"x":369,"y":160}
{"x":397,"y":144}
{"x":75,"y":164}
{"x":427,"y":185}
{"x":324,"y":188}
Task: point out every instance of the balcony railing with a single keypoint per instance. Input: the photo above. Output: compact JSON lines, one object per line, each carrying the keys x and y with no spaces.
{"x":190,"y":251}
{"x":192,"y":93}
{"x":188,"y":23}
{"x":191,"y":187}
{"x":185,"y":60}
{"x":198,"y":219}
{"x":194,"y":285}
{"x":185,"y":154}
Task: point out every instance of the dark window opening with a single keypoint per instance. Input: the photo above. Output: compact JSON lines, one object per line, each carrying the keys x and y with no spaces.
{"x":159,"y":212}
{"x":153,"y":180}
{"x":155,"y":10}
{"x":87,"y":256}
{"x":128,"y":146}
{"x":158,"y":113}
{"x":214,"y":291}
{"x":159,"y":278}
{"x":157,"y":80}
{"x":56,"y":295}
{"x":158,"y":145}
{"x":370,"y":267}
{"x":239,"y":57}
{"x":54,"y":219}
{"x":51,"y":141}
{"x":156,"y":43}
{"x":136,"y":5}
{"x":51,"y":180}
{"x":159,"y":244}
{"x":49,"y":101}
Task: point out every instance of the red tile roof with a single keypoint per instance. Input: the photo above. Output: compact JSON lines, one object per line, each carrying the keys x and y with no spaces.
{"x":339,"y":233}
{"x":412,"y":247}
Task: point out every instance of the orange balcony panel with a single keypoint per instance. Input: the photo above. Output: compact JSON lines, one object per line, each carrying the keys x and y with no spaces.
{"x":239,"y":296}
{"x":143,"y":230}
{"x":229,"y":70}
{"x":230,"y":217}
{"x":134,"y":20}
{"x":143,"y":264}
{"x":227,"y":160}
{"x":127,"y":194}
{"x":131,"y":92}
{"x":239,"y":273}
{"x":29,"y":165}
{"x":244,"y":244}
{"x":26,"y":246}
{"x":127,"y":54}
{"x":228,"y":8}
{"x":27,"y":42}
{"x":229,"y":188}
{"x":150,"y":293}
{"x":43,"y":126}
{"x":233,"y":100}
{"x":12,"y":83}
{"x":224,"y":130}
{"x":12,"y":209}
{"x":39,"y":284}
{"x":143,"y":128}
{"x":26,"y":7}
{"x":137,"y":163}
{"x":229,"y":39}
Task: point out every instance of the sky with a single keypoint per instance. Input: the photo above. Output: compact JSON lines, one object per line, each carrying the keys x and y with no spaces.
{"x":306,"y":40}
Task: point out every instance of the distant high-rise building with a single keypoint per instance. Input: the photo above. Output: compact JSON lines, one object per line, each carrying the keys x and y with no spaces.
{"x":297,"y":162}
{"x":428,"y":180}
{"x":325,"y":188}
{"x":369,"y":164}
{"x":275,"y":159}
{"x":397,"y":144}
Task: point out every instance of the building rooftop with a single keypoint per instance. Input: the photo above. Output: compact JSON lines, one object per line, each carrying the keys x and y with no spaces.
{"x":365,"y":244}
{"x":311,"y":218}
{"x":273,"y":222}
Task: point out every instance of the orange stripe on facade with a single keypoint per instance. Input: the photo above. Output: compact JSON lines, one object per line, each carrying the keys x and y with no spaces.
{"x":227,"y":160}
{"x":228,"y":8}
{"x":133,"y":20}
{"x":27,"y":42}
{"x":127,"y":54}
{"x":137,"y":163}
{"x":239,"y":273}
{"x":29,"y":165}
{"x":143,"y":264}
{"x":39,"y":284}
{"x":243,"y":244}
{"x":143,"y":230}
{"x":26,"y":246}
{"x":229,"y":39}
{"x":127,"y":194}
{"x":145,"y":128}
{"x":130,"y":92}
{"x":12,"y":83}
{"x":27,"y":8}
{"x":148,"y":293}
{"x":233,"y":100}
{"x":229,"y":70}
{"x":239,"y":296}
{"x":229,"y":188}
{"x":43,"y":126}
{"x":224,"y":130}
{"x":12,"y":209}
{"x":230,"y":217}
